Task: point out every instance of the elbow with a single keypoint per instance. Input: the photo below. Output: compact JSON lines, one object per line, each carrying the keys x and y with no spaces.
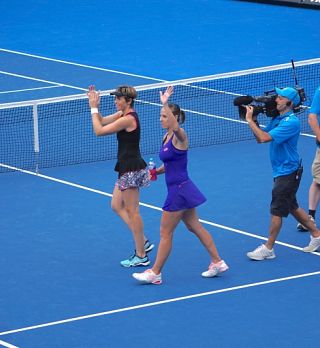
{"x":98,"y":132}
{"x":263,"y":139}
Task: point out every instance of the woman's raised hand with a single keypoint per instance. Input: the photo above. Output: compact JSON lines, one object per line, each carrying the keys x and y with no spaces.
{"x":94,"y":97}
{"x":164,"y":97}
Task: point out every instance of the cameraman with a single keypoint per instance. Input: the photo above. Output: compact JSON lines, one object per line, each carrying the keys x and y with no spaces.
{"x":283,"y":133}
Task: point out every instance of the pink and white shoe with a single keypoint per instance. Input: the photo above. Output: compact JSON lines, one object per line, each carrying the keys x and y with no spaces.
{"x":148,"y":277}
{"x":215,"y":269}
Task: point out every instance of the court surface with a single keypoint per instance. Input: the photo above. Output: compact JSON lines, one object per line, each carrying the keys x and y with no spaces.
{"x":60,"y":243}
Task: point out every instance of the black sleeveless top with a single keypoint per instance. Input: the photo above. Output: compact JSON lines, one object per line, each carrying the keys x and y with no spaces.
{"x":129,"y":156}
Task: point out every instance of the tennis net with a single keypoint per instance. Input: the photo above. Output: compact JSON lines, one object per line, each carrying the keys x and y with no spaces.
{"x":57,"y":132}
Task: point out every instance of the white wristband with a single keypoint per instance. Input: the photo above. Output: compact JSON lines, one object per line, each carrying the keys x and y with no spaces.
{"x":94,"y":111}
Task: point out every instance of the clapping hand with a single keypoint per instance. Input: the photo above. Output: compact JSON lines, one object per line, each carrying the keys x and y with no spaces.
{"x":164,"y":97}
{"x":94,"y":97}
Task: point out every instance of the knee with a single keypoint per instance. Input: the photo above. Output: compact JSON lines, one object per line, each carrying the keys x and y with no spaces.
{"x":190,"y":228}
{"x":131,"y":212}
{"x":315,"y":185}
{"x":115,"y":207}
{"x":165,"y":233}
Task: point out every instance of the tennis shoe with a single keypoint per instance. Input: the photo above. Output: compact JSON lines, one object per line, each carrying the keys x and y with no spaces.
{"x":215,"y":269}
{"x":148,"y":277}
{"x":302,"y":228}
{"x":135,"y":261}
{"x":314,"y":245}
{"x":261,"y":253}
{"x":148,"y":246}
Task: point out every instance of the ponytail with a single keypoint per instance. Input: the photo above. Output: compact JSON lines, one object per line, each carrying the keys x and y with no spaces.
{"x":177,"y":112}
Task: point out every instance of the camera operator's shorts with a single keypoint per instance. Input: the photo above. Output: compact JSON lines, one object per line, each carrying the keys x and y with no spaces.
{"x":284,"y":191}
{"x":316,"y":167}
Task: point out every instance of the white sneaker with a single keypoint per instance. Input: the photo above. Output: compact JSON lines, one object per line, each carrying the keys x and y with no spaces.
{"x":148,"y":277}
{"x":314,"y":245}
{"x":261,"y":253}
{"x":215,"y":269}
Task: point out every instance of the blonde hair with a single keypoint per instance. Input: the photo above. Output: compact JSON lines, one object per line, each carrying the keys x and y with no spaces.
{"x":128,"y":92}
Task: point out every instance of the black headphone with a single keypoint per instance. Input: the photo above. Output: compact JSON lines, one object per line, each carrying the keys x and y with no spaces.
{"x":289,"y":103}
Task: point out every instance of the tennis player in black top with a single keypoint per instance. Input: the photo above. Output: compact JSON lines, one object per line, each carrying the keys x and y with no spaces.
{"x":132,"y":169}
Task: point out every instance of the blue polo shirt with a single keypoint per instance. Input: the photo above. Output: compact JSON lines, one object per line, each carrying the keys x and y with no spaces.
{"x":315,"y":106}
{"x":284,"y":130}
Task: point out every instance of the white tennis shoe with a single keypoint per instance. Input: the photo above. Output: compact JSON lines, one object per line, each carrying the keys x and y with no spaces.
{"x":148,"y":277}
{"x":261,"y":253}
{"x":215,"y":269}
{"x":314,"y":245}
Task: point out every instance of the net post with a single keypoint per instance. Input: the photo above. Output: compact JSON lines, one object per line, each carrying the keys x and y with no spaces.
{"x":36,"y":136}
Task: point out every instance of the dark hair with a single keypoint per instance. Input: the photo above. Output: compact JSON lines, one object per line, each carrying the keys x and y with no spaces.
{"x":180,"y":114}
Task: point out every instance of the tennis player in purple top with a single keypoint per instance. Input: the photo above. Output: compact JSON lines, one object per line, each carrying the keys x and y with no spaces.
{"x":183,"y":195}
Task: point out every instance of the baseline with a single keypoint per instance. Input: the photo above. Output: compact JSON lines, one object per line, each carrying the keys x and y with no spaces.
{"x":78,"y":64}
{"x":157,"y":303}
{"x":45,"y":81}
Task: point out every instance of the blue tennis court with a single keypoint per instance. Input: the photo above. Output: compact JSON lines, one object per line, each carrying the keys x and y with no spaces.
{"x":60,"y":242}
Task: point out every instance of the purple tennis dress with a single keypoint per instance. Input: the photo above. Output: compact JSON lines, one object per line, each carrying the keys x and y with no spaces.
{"x":182,"y":192}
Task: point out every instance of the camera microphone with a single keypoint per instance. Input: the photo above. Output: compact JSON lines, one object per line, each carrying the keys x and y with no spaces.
{"x":242,"y":100}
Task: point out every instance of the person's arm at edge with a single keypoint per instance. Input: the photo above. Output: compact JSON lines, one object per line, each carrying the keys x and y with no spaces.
{"x":314,"y":125}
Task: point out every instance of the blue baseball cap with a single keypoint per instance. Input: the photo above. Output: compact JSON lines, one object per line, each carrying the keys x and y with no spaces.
{"x":289,"y":93}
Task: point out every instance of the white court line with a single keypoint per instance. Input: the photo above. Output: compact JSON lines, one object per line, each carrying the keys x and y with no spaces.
{"x":80,"y":65}
{"x":28,"y":89}
{"x":6,"y":344}
{"x":45,"y":81}
{"x":149,"y":206}
{"x":157,"y":303}
{"x":194,"y":79}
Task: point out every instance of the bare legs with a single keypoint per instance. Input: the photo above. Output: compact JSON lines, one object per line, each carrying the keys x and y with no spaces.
{"x":169,"y":222}
{"x":276,"y":223}
{"x":314,"y":195}
{"x":126,"y":205}
{"x":275,"y":226}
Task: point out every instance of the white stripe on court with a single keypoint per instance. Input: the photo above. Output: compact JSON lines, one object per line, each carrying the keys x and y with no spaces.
{"x":80,"y":65}
{"x":28,"y":89}
{"x":248,"y":234}
{"x":45,"y":81}
{"x":6,"y":344}
{"x":157,"y":303}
